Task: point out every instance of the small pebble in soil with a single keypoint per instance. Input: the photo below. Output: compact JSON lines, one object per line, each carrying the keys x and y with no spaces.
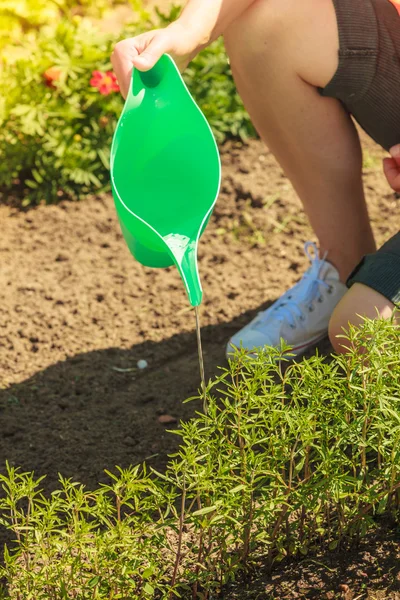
{"x":167,"y":419}
{"x":142,"y":364}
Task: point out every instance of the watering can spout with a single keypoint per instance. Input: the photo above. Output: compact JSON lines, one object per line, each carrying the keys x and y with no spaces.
{"x":192,"y":284}
{"x":165,"y":173}
{"x":184,"y":252}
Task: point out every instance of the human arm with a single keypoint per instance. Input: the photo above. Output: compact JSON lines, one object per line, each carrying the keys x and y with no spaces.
{"x":201,"y":22}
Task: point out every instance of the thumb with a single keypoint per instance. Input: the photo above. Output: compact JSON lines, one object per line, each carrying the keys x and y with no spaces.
{"x":158,"y":46}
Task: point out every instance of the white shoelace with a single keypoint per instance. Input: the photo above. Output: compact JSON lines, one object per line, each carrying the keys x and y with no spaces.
{"x":305,"y":292}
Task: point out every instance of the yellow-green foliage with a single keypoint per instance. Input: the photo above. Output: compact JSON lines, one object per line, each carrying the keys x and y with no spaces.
{"x":18,"y":17}
{"x":55,"y":135}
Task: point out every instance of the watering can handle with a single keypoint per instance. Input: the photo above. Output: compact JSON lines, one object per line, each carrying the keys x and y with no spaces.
{"x":147,"y":80}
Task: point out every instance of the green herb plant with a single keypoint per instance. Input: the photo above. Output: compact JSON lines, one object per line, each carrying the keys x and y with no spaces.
{"x":291,"y":457}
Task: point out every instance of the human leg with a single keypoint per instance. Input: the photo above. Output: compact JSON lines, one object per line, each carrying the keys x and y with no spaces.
{"x":374,"y":291}
{"x":281,"y":52}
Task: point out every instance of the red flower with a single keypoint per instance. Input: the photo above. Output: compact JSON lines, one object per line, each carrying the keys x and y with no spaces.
{"x":104,"y":82}
{"x":51,"y":75}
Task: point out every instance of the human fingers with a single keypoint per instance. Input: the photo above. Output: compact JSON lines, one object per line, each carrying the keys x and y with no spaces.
{"x":392,"y":171}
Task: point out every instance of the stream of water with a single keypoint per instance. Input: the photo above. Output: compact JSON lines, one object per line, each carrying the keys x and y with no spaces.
{"x":201,"y":359}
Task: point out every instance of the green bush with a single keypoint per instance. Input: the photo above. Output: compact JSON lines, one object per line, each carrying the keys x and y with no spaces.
{"x":56,"y":128}
{"x":285,"y":462}
{"x":19,"y":17}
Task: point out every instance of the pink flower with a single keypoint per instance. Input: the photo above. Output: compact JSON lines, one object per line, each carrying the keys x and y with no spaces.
{"x":104,"y":82}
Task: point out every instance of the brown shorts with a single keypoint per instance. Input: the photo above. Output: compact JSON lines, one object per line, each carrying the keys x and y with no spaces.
{"x":367,"y":82}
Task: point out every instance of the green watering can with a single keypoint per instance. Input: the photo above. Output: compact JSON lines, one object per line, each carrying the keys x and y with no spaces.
{"x":165,"y":173}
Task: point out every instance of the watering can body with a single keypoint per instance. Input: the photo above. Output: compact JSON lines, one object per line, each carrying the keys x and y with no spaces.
{"x":165,"y":173}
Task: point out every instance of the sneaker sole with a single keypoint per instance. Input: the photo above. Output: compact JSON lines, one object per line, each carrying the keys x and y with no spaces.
{"x":297,"y":350}
{"x":301,"y":349}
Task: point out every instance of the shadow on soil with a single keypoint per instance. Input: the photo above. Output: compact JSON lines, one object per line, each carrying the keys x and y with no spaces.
{"x":97,"y":410}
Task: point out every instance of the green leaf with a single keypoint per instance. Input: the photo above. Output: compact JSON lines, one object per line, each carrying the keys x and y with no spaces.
{"x":94,"y":581}
{"x":37,"y":176}
{"x":333,"y":545}
{"x":31,"y":184}
{"x":238,"y":488}
{"x":148,"y":589}
{"x":148,"y":573}
{"x":104,"y":156}
{"x":204,"y":511}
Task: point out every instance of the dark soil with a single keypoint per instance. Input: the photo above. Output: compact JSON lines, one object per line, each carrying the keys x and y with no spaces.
{"x":369,"y":572}
{"x":77,"y":313}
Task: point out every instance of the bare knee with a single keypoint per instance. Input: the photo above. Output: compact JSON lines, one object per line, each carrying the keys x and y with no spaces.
{"x":303,"y":35}
{"x":258,"y":29}
{"x":252,"y":33}
{"x":360,"y":301}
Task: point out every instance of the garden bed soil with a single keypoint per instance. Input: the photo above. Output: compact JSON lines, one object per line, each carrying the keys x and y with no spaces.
{"x":77,"y":313}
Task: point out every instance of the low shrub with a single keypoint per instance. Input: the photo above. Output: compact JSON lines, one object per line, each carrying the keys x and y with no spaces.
{"x":57,"y":127}
{"x":286,"y":461}
{"x":56,"y":124}
{"x":19,"y":17}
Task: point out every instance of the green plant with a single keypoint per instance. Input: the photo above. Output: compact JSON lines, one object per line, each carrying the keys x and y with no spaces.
{"x":56,"y":128}
{"x":288,"y":459}
{"x":19,"y":17}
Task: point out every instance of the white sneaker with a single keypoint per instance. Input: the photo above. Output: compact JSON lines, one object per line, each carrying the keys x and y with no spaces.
{"x":301,"y":316}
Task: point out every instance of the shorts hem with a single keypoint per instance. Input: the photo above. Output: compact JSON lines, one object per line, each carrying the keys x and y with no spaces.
{"x":381,"y":272}
{"x":358,"y":51}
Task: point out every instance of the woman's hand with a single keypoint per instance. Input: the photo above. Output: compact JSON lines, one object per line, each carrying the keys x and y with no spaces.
{"x":391,"y":167}
{"x":201,"y":22}
{"x":143,"y":51}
